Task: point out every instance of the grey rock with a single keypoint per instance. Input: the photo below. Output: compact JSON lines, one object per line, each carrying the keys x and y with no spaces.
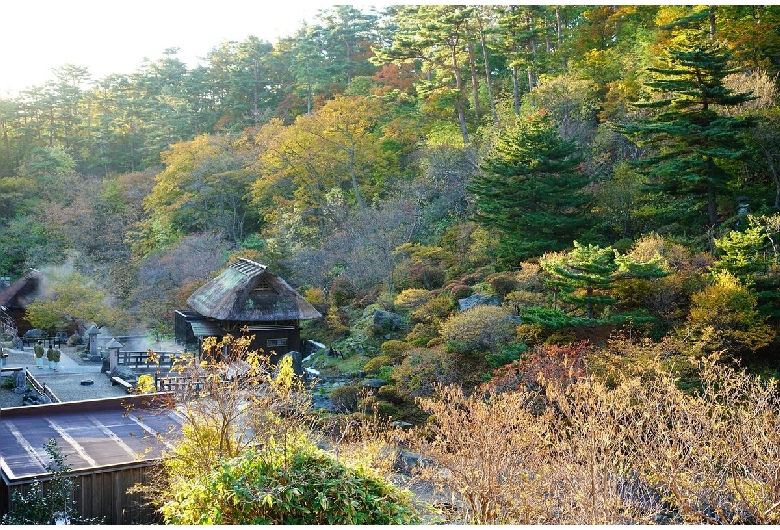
{"x":374,"y":383}
{"x":387,"y":320}
{"x":478,"y":299}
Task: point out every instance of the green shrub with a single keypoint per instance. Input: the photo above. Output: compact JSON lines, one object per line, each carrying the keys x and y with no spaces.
{"x":561,"y":337}
{"x":506,"y":355}
{"x":423,"y":369}
{"x":373,"y":366}
{"x":345,"y":398}
{"x":300,"y":485}
{"x":480,"y":329}
{"x":395,"y":349}
{"x":386,"y":373}
{"x":502,"y":284}
{"x":384,"y":409}
{"x":342,"y":292}
{"x":530,"y":333}
{"x":421,"y":334}
{"x":433,"y":311}
{"x":390,"y":393}
{"x":460,"y":290}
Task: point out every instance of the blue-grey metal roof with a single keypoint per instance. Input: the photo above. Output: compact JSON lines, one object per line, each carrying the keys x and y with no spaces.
{"x":93,"y":434}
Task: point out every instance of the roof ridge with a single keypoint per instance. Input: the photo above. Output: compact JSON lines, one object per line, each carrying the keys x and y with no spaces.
{"x":248,"y":267}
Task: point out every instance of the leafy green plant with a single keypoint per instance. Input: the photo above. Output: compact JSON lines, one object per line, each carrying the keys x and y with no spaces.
{"x":481,"y":329}
{"x":506,"y":355}
{"x":301,"y":485}
{"x":345,"y":398}
{"x":49,"y":502}
{"x":376,"y":363}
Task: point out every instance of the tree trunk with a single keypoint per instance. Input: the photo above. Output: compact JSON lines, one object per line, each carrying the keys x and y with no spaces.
{"x":474,"y":80}
{"x":473,"y":70}
{"x":712,"y":210}
{"x":355,"y":187}
{"x":459,"y":97}
{"x":559,"y":30}
{"x":488,"y":81}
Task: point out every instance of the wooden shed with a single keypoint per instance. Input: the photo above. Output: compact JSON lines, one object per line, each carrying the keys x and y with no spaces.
{"x":246,"y":296}
{"x":110,"y":444}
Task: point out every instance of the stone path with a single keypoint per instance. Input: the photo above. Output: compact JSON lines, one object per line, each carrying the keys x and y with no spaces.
{"x":65,"y":383}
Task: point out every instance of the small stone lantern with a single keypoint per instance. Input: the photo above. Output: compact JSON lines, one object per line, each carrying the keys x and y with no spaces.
{"x":113,"y":354}
{"x":92,"y":334}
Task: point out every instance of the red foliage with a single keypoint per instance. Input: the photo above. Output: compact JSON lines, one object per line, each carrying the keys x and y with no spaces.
{"x":561,"y":364}
{"x":401,"y":76}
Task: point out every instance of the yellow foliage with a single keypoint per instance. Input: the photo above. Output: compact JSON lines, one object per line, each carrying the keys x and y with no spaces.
{"x":410,"y":299}
{"x":145,"y":384}
{"x":724,"y":316}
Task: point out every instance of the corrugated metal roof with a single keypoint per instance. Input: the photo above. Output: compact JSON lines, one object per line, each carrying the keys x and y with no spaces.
{"x":93,"y":434}
{"x":202,"y":328}
{"x":247,"y":292}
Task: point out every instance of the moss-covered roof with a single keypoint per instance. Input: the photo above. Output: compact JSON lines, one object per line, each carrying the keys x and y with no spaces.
{"x":247,"y":292}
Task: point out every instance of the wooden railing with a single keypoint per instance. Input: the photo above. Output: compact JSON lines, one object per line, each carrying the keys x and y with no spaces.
{"x":180,"y":385}
{"x":142,"y":359}
{"x":41,"y":388}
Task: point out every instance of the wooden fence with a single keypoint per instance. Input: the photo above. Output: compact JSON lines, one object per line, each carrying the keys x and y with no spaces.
{"x":180,"y":385}
{"x":142,"y":359}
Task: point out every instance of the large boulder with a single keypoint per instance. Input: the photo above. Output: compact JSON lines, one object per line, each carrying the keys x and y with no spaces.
{"x":478,"y":299}
{"x":387,"y":321}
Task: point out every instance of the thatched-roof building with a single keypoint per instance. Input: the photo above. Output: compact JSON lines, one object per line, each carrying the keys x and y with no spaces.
{"x":16,"y":296}
{"x":246,"y":296}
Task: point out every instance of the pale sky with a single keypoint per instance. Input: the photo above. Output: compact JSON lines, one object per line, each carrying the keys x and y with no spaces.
{"x":114,"y":36}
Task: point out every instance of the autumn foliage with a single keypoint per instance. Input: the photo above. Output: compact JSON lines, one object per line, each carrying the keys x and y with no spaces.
{"x":644,"y":452}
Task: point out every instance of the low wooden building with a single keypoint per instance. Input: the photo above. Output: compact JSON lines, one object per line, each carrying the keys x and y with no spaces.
{"x":110,"y":445}
{"x":246,"y":298}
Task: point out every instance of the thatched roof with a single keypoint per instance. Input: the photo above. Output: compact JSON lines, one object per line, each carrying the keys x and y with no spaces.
{"x":247,"y":292}
{"x":22,"y":291}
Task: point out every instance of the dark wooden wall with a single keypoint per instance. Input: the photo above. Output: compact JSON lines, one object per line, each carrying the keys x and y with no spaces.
{"x":103,"y":494}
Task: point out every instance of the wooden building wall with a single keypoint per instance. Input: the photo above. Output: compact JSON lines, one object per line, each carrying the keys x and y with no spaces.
{"x":102,"y":494}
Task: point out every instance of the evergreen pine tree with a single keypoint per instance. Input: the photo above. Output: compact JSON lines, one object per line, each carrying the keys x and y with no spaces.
{"x":586,"y":276}
{"x":692,"y":139}
{"x":530,"y":190}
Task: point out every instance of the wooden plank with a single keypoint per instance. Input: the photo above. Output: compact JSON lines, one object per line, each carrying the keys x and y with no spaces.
{"x":119,"y":498}
{"x":96,"y":480}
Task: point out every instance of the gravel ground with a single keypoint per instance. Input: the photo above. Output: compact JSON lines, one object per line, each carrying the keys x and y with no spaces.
{"x":65,"y":382}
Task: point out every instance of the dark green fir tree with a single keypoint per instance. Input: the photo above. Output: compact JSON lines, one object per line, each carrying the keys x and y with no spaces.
{"x":691,"y":141}
{"x":530,"y":190}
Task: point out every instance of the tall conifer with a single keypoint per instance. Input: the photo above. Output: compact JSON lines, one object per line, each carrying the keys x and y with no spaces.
{"x":692,"y":140}
{"x":530,"y":190}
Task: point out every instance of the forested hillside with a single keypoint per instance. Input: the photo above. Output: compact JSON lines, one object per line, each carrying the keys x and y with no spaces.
{"x":548,"y":236}
{"x":584,"y":168}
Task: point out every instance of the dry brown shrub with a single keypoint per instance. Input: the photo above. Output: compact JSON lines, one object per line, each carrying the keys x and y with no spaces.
{"x":644,"y":452}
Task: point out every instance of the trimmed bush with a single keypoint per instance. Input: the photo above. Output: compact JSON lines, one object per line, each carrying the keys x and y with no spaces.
{"x":481,"y":329}
{"x":395,"y":349}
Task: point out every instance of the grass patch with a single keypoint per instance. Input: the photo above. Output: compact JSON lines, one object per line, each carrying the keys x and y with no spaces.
{"x":335,"y":366}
